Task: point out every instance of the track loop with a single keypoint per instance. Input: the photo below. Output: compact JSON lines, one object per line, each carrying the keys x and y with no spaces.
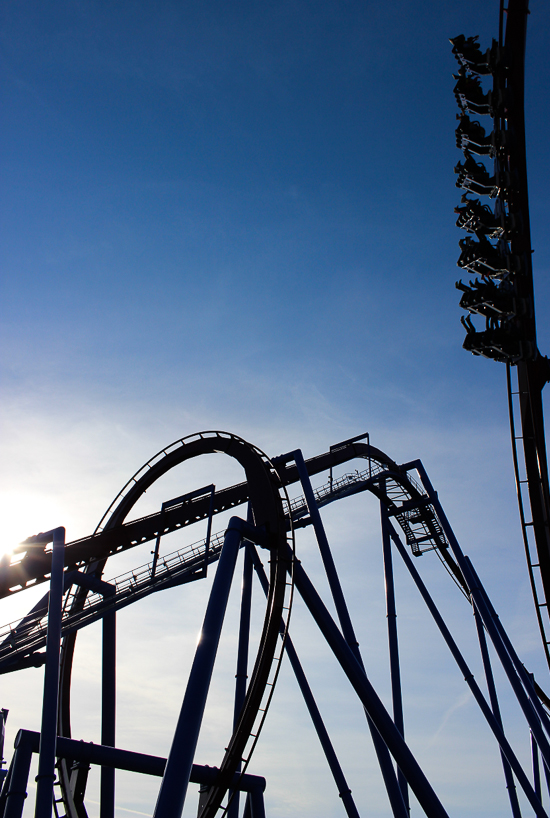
{"x":267,"y":498}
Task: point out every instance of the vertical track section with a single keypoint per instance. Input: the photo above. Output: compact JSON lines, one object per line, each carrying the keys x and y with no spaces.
{"x":527,"y":528}
{"x":533,"y":371}
{"x":268,"y":498}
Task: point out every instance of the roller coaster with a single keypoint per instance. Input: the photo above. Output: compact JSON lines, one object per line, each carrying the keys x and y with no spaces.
{"x":504,"y":296}
{"x":412,"y":524}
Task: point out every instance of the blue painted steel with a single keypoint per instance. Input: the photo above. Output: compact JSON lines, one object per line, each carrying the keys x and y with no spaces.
{"x":531,"y":702}
{"x":525,"y":677}
{"x":386,"y":733}
{"x":175,"y":781}
{"x":3,"y":718}
{"x":48,"y":733}
{"x":469,"y":678}
{"x":536,"y":766}
{"x":5,"y":788}
{"x":242,"y":660}
{"x":27,"y":742}
{"x":395,"y":673}
{"x":326,"y":554}
{"x":394,"y":791}
{"x":254,"y":805}
{"x":343,"y":788}
{"x":344,"y":443}
{"x":244,"y":632}
{"x":508,"y":776}
{"x":18,"y":778}
{"x":519,"y":681}
{"x":34,"y":614}
{"x":108,"y":712}
{"x":257,"y":804}
{"x":382,"y":720}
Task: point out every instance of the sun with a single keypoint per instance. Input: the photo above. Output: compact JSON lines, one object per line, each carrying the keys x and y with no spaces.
{"x":22,"y":516}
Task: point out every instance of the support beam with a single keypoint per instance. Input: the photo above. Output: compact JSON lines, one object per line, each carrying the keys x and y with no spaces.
{"x":18,"y":779}
{"x":508,"y":776}
{"x":519,"y":680}
{"x":383,"y":722}
{"x":344,"y":790}
{"x":242,"y":660}
{"x":108,"y":713}
{"x":175,"y":781}
{"x":85,"y":752}
{"x":395,"y":672}
{"x":470,"y":681}
{"x":48,"y":733}
{"x":393,"y":789}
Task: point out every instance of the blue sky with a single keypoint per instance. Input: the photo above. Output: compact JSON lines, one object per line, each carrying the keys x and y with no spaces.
{"x":240,"y":216}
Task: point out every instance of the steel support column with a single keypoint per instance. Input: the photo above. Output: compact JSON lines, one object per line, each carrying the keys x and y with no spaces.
{"x":519,"y":681}
{"x":18,"y":781}
{"x":5,"y":788}
{"x":395,"y":672}
{"x":48,"y":732}
{"x":536,"y":766}
{"x":108,"y":712}
{"x":175,"y":781}
{"x":394,"y":791}
{"x":469,"y":679}
{"x":256,"y":799}
{"x":493,"y":698}
{"x":343,"y":788}
{"x":326,"y":554}
{"x":525,"y":677}
{"x":242,"y":659}
{"x":381,"y":718}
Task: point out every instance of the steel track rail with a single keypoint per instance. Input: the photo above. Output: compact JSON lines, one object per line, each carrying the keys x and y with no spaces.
{"x":34,"y":566}
{"x":394,"y":485}
{"x":403,"y":496}
{"x":526,"y":525}
{"x":266,"y":495}
{"x":532,"y":373}
{"x":20,"y":640}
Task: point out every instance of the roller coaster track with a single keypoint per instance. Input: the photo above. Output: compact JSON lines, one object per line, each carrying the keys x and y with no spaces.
{"x":525,"y":398}
{"x":21,"y":641}
{"x":403,"y":496}
{"x":28,"y":636}
{"x":266,"y":494}
{"x":531,"y":476}
{"x":406,"y":496}
{"x":33,"y":567}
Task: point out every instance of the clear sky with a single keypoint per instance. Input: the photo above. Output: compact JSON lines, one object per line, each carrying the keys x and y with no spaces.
{"x":240,"y":216}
